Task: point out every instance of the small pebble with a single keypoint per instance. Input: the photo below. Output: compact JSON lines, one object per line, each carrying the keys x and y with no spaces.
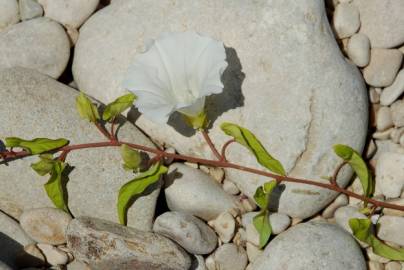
{"x":198,"y":263}
{"x":46,"y":225}
{"x":346,"y":20}
{"x":389,"y":174}
{"x":224,"y":225}
{"x":30,"y":9}
{"x":383,"y":118}
{"x":391,"y":229}
{"x":393,"y":266}
{"x":53,"y":255}
{"x":8,"y":13}
{"x":383,"y":67}
{"x":188,"y":231}
{"x":374,"y":95}
{"x":371,"y":149}
{"x":397,"y":113}
{"x":374,"y":257}
{"x":344,"y":214}
{"x":358,"y":49}
{"x":375,"y":266}
{"x":392,"y":92}
{"x":340,"y":201}
{"x":230,"y":187}
{"x":227,"y":257}
{"x":396,"y":134}
{"x":383,"y":135}
{"x":252,"y":251}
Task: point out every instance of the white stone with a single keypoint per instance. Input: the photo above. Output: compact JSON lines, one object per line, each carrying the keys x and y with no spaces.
{"x":53,"y":255}
{"x":396,"y":134}
{"x":358,"y":49}
{"x":230,"y":187}
{"x":8,"y":13}
{"x":374,"y":96}
{"x":252,"y":252}
{"x":46,"y":108}
{"x":383,"y":118}
{"x":69,"y":12}
{"x":272,"y":42}
{"x":384,"y":146}
{"x":12,"y":239}
{"x":30,"y":9}
{"x":77,"y":265}
{"x":39,"y":44}
{"x":392,"y":266}
{"x":312,"y":245}
{"x":392,"y":92}
{"x":371,"y":149}
{"x":346,"y":20}
{"x":383,"y":135}
{"x":344,"y":214}
{"x":73,"y":34}
{"x":397,"y":113}
{"x":227,"y":257}
{"x":374,"y":257}
{"x":225,"y":226}
{"x":390,"y":174}
{"x":340,"y":201}
{"x":382,"y":22}
{"x":391,"y":229}
{"x":194,"y":192}
{"x":375,"y":266}
{"x":189,"y":232}
{"x":383,"y":67}
{"x":32,"y":256}
{"x":46,"y":225}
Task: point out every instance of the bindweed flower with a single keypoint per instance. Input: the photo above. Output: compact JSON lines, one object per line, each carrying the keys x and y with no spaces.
{"x":175,"y":73}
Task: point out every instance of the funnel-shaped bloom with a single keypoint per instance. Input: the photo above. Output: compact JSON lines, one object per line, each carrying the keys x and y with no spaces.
{"x":176,"y":73}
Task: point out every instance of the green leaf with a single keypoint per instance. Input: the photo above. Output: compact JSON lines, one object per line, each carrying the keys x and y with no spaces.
{"x":131,"y":158}
{"x":54,"y":187}
{"x":262,"y":194}
{"x":44,"y":165}
{"x":246,"y":138}
{"x":136,"y":187}
{"x":36,"y":146}
{"x":355,"y":160}
{"x":116,"y":107}
{"x":86,"y":108}
{"x":362,"y":229}
{"x":262,"y":225}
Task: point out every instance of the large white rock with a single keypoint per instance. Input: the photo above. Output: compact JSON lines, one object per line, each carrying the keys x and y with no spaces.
{"x":314,"y":246}
{"x":391,"y":229}
{"x":382,"y":22}
{"x":391,"y":93}
{"x":346,"y":20}
{"x":8,"y":13}
{"x":40,"y":44}
{"x":69,"y":12}
{"x":297,"y":103}
{"x":34,"y":105}
{"x":390,"y":174}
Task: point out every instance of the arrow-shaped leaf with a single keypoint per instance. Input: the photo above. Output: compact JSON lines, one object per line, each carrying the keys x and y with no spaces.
{"x":36,"y":146}
{"x":116,"y":107}
{"x":54,"y":187}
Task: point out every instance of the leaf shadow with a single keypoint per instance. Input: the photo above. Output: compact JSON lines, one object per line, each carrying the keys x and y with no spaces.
{"x":64,"y":180}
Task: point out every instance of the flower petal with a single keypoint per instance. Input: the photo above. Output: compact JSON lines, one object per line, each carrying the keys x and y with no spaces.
{"x":194,"y":109}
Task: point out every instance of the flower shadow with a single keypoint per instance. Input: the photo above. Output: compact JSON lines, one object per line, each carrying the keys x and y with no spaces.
{"x":217,"y":104}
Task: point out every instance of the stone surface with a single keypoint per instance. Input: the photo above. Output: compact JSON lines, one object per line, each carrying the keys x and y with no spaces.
{"x":4,"y":266}
{"x":391,"y":229}
{"x":188,"y":231}
{"x":392,"y":266}
{"x":391,"y":93}
{"x":393,"y":212}
{"x":230,"y":187}
{"x":314,"y":246}
{"x":108,"y":246}
{"x":30,"y":9}
{"x":34,"y":105}
{"x":53,"y":255}
{"x":383,"y":67}
{"x":340,"y":201}
{"x":270,"y":45}
{"x":253,"y":252}
{"x":358,"y":49}
{"x":12,"y":240}
{"x":194,"y":192}
{"x":344,"y":214}
{"x":198,"y":263}
{"x":45,"y":225}
{"x":228,"y":257}
{"x":382,"y":22}
{"x":8,"y":13}
{"x":375,"y":266}
{"x":224,"y":225}
{"x":383,"y":118}
{"x":346,"y":20}
{"x":69,"y":12}
{"x":77,"y":265}
{"x":40,"y":44}
{"x":397,"y":113}
{"x":390,"y":174}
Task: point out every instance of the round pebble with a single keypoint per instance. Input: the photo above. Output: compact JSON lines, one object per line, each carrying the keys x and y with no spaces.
{"x":46,"y":225}
{"x":224,"y":225}
{"x":346,"y":20}
{"x":358,"y":49}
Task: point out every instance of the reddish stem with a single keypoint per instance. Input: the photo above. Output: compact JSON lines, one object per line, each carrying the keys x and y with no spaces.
{"x":211,"y":145}
{"x":113,"y":135}
{"x":224,"y":148}
{"x":103,"y":131}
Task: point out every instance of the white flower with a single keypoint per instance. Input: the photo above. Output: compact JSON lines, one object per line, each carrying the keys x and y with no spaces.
{"x":176,"y":73}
